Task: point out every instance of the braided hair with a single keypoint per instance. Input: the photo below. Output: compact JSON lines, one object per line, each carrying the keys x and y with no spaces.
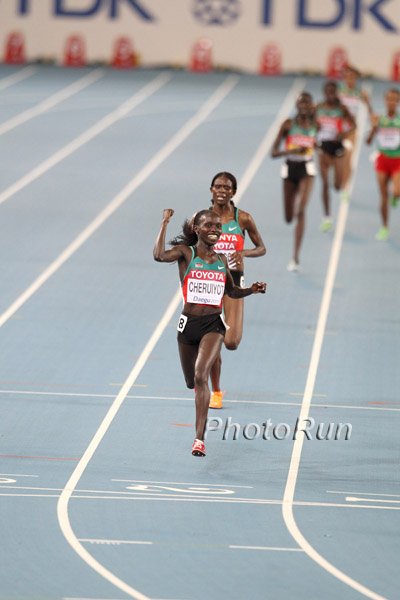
{"x":231,"y":178}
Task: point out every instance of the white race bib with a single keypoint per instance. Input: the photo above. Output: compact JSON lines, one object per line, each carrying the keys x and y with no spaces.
{"x":389,"y":138}
{"x":206,"y":287}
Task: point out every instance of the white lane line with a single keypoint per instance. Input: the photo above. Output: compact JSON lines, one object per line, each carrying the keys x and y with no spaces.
{"x":51,"y":101}
{"x":166,"y":498}
{"x":187,"y":399}
{"x":249,"y":487}
{"x":118,"y":200}
{"x":194,"y":492}
{"x":270,"y":548}
{"x":86,"y":136}
{"x":10,"y":80}
{"x":63,"y":502}
{"x":10,"y":495}
{"x":363,"y":494}
{"x":288,"y":498}
{"x":384,"y":500}
{"x":16,"y":475}
{"x":62,"y":505}
{"x":114,"y":542}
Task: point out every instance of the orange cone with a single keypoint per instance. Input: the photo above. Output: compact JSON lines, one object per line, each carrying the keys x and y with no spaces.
{"x":271,"y":60}
{"x":201,"y":59}
{"x":396,"y":67}
{"x":75,"y":54}
{"x":124,"y":56}
{"x":15,"y":49}
{"x":337,"y":60}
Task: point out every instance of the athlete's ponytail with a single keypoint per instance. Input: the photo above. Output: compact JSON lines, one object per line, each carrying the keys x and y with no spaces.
{"x":188,"y":237}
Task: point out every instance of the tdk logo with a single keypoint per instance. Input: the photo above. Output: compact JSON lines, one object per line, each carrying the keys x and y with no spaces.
{"x":303,"y":15}
{"x":62,"y":8}
{"x":216,"y":12}
{"x":339,"y":12}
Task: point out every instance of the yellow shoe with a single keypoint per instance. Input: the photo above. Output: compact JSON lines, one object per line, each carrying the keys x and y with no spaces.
{"x":216,"y":399}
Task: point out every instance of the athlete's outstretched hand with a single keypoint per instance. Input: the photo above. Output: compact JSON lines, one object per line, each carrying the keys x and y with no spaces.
{"x":167,"y":214}
{"x":259,"y":287}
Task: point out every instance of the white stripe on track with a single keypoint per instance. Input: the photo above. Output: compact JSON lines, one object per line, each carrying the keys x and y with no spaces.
{"x":86,"y":136}
{"x":189,"y":399}
{"x":270,"y":548}
{"x":51,"y":101}
{"x":288,"y":498}
{"x":176,"y":140}
{"x":10,"y":80}
{"x":62,"y":505}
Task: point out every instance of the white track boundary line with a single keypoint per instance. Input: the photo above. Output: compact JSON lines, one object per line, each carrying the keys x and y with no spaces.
{"x":351,"y":493}
{"x":62,"y":505}
{"x":223,"y":485}
{"x":51,"y":101}
{"x":88,"y":135}
{"x":270,"y":548}
{"x":109,"y":542}
{"x":203,"y":500}
{"x":160,"y":156}
{"x":10,"y":80}
{"x":187,"y":399}
{"x":288,"y":498}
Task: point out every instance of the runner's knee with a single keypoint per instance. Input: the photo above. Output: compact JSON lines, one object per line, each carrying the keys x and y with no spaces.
{"x":200,"y":379}
{"x":232,"y":344}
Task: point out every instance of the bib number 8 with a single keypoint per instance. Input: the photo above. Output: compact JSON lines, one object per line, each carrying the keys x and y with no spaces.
{"x":182,"y":323}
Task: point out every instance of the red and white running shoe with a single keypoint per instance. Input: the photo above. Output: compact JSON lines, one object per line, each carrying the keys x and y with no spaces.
{"x":198,"y":448}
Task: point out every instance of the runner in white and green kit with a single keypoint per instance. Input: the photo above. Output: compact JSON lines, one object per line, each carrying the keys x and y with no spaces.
{"x":386,"y":130}
{"x":352,"y":95}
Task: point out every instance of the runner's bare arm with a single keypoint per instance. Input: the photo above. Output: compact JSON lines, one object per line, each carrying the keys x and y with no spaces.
{"x":276,"y":150}
{"x":160,"y":254}
{"x":234,"y":291}
{"x":248,"y":224}
{"x":348,"y":117}
{"x":373,"y":130}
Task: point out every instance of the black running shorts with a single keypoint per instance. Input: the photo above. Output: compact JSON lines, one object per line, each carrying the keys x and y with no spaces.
{"x":191,"y":329}
{"x":335,"y":149}
{"x":296,"y":170}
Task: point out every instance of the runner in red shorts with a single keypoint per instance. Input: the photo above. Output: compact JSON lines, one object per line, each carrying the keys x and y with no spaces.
{"x":386,"y":129}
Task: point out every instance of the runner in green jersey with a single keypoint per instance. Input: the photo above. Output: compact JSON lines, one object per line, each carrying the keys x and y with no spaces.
{"x":205,"y":278}
{"x":336,"y":123}
{"x":298,"y":136}
{"x":386,"y":129}
{"x":235,"y":224}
